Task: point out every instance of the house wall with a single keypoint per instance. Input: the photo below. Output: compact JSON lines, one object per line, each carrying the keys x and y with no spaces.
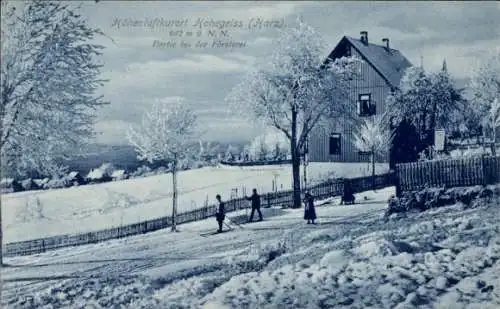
{"x":369,"y":81}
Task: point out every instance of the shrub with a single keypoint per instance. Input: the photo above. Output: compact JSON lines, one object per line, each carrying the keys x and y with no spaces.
{"x":162,"y":170}
{"x":58,"y":183}
{"x":75,"y":179}
{"x":9,"y":185}
{"x":141,"y":171}
{"x":469,"y":152}
{"x":29,"y":184}
{"x":42,"y":183}
{"x":119,"y":175}
{"x":101,"y":174}
{"x":438,"y":197}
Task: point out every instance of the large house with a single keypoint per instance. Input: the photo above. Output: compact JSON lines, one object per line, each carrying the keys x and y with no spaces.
{"x":381,"y":71}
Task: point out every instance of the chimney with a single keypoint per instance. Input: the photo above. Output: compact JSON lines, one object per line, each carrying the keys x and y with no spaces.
{"x":386,"y":41}
{"x":364,"y":37}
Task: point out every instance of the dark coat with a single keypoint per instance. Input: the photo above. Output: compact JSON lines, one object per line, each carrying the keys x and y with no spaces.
{"x":220,"y":215}
{"x":348,"y":195}
{"x":255,"y":198}
{"x":309,"y":211}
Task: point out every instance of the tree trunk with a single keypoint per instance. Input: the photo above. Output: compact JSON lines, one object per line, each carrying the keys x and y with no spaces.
{"x":296,"y":179}
{"x":1,"y":246}
{"x":295,"y":162}
{"x":174,"y":196}
{"x":483,"y":141}
{"x":373,"y":170}
{"x":1,"y":237}
{"x":493,"y":145}
{"x":433,"y":123}
{"x":305,"y":171}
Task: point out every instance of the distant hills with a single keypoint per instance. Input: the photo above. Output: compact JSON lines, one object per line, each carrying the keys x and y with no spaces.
{"x":121,"y":156}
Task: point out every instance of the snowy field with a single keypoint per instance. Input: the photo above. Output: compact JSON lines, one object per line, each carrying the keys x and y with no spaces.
{"x":36,"y":214}
{"x":448,"y":258}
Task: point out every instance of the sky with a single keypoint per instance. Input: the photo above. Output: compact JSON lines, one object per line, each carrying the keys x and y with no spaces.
{"x":143,"y":67}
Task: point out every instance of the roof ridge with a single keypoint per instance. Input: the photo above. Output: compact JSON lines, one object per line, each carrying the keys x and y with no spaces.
{"x":370,"y":43}
{"x":388,"y":65}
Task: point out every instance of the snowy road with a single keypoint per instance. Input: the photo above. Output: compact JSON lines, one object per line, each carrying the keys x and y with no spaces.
{"x":447,"y":256}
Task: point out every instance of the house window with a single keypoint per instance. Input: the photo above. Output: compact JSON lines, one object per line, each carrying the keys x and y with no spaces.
{"x":334,"y":144}
{"x":365,"y":105}
{"x":348,"y":51}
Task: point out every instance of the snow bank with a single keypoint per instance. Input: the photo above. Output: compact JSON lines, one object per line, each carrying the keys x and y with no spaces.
{"x":393,"y":268}
{"x":438,"y":197}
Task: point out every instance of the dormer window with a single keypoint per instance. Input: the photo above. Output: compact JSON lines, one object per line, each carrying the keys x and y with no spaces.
{"x":365,"y":105}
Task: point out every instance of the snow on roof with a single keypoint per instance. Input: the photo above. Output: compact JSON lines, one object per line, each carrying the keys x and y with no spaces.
{"x":118,"y":173}
{"x":96,"y":174}
{"x":73,"y":174}
{"x":391,"y":64}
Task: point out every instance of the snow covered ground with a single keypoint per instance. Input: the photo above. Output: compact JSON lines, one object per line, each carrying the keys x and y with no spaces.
{"x":443,"y":258}
{"x":36,"y":214}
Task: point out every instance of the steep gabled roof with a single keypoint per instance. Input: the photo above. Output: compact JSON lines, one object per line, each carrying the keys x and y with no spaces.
{"x":390,"y":64}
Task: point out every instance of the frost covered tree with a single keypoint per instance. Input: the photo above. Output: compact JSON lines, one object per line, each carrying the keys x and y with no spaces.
{"x":229,"y":156}
{"x":277,"y":144}
{"x":245,"y":153}
{"x":49,"y":80}
{"x":258,"y":150}
{"x":492,"y":121}
{"x":448,"y":105}
{"x":269,"y":146}
{"x":207,"y":153}
{"x":374,"y":136}
{"x":294,"y":88}
{"x":485,"y":88}
{"x":426,"y":101}
{"x":278,"y":153}
{"x":167,"y":133}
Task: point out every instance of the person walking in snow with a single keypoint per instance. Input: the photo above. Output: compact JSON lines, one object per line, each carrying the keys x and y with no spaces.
{"x":347,"y":196}
{"x":220,"y":214}
{"x":309,"y":210}
{"x":255,"y":198}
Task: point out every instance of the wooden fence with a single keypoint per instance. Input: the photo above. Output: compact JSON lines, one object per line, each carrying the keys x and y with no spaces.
{"x":257,"y":163}
{"x":321,"y":191}
{"x":448,"y":173}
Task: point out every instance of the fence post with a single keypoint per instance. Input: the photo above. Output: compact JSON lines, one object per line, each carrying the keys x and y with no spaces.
{"x":343,"y":188}
{"x":496,"y":169}
{"x":485,"y":170}
{"x":397,"y":181}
